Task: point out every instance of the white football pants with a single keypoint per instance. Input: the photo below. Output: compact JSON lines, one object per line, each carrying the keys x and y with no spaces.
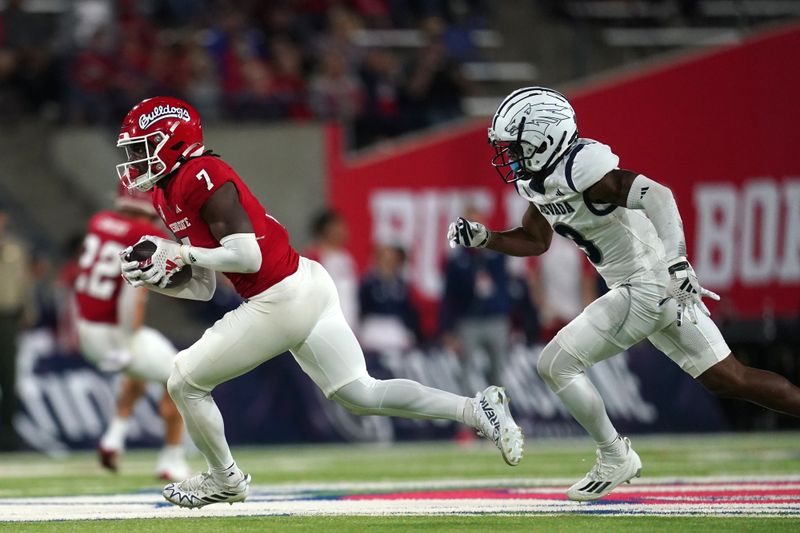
{"x":300,"y":314}
{"x":146,"y":354}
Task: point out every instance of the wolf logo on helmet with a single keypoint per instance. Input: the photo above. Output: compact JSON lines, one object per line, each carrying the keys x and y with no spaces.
{"x":546,"y":114}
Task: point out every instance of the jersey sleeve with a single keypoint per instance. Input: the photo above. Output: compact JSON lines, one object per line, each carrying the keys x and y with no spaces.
{"x":200,"y":181}
{"x":587,"y":163}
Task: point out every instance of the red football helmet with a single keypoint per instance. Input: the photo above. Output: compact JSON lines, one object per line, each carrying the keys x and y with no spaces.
{"x":158,"y":134}
{"x":134,"y":199}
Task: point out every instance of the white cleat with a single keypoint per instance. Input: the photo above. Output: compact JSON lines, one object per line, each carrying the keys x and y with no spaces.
{"x":606,"y":476}
{"x":496,"y":423}
{"x":203,"y":489}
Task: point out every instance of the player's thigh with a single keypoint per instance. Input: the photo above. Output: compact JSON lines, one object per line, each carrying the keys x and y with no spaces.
{"x":242,"y":339}
{"x":102,"y":345}
{"x":152,"y":355}
{"x":612,"y":323}
{"x":582,"y":340}
{"x":331,"y":355}
{"x":694,"y":347}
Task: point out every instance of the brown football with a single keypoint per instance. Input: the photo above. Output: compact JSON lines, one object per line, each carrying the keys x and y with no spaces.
{"x":143,"y":250}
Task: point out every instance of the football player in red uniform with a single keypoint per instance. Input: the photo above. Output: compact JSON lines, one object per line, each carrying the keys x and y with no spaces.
{"x":290,"y":302}
{"x":111,"y":331}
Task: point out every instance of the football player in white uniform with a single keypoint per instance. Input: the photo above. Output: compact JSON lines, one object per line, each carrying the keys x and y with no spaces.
{"x":630,"y":229}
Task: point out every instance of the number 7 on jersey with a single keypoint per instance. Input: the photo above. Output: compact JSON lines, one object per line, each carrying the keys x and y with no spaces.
{"x":203,"y":175}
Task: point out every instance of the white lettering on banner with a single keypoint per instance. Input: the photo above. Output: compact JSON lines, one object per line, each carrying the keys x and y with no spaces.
{"x":759,"y":232}
{"x":713,"y":255}
{"x":418,"y":220}
{"x":747,"y":234}
{"x":789,"y":271}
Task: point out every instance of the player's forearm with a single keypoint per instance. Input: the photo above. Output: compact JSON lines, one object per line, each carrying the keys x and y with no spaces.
{"x":659,"y":205}
{"x":239,"y":253}
{"x":517,"y":242}
{"x":200,"y":287}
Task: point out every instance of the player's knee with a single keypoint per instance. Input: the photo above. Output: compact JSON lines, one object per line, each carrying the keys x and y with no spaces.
{"x":544,"y":365}
{"x":176,"y":384}
{"x":557,"y":367}
{"x":725,"y":379}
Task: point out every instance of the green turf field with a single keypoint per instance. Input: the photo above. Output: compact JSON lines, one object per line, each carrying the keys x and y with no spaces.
{"x":552,"y":462}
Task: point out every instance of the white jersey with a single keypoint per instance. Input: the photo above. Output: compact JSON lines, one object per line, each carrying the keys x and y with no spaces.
{"x":619,"y":242}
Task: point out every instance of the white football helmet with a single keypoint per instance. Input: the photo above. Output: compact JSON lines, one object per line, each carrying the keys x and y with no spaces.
{"x":531,"y":130}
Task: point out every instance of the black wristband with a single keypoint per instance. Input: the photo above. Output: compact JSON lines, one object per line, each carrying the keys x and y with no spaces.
{"x":683,"y":265}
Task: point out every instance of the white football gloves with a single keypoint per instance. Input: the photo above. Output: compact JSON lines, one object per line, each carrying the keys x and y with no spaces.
{"x":686,"y":290}
{"x":468,"y":234}
{"x":158,"y":268}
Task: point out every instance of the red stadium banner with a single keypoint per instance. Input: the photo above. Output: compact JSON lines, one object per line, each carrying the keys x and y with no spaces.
{"x":718,"y":128}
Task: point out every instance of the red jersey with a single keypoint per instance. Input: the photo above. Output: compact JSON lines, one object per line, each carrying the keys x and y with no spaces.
{"x":179,"y":202}
{"x":98,"y":280}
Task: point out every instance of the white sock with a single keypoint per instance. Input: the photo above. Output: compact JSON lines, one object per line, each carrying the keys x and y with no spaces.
{"x":468,"y":413}
{"x":114,"y":437}
{"x":615,"y":449}
{"x":586,"y":405}
{"x":230,"y":475}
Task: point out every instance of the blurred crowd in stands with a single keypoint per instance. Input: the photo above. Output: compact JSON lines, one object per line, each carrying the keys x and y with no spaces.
{"x":252,"y":60}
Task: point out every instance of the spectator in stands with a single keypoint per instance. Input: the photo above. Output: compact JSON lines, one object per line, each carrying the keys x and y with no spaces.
{"x":254,"y":99}
{"x":339,"y":35}
{"x":203,"y":87}
{"x":382,"y":115}
{"x":561,"y":283}
{"x":132,"y":81}
{"x":27,"y":42}
{"x":435,"y":85}
{"x":289,"y":85}
{"x":170,"y":66}
{"x":15,"y":309}
{"x":389,"y":320}
{"x":259,"y":60}
{"x":92,"y":75}
{"x":334,"y":92}
{"x":475,"y":308}
{"x":330,"y":236}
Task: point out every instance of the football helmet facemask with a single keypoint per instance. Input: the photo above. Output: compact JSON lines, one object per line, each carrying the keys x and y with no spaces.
{"x":531,"y":130}
{"x":158,"y":134}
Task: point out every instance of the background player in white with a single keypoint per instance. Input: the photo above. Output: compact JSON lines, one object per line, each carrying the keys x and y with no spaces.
{"x":111,"y":329}
{"x":630,"y":229}
{"x":290,"y":303}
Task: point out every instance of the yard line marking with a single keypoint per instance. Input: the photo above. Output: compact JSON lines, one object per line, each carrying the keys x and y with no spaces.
{"x":708,"y":496}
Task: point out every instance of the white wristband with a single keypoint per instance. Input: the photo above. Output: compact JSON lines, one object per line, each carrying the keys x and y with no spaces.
{"x":239,"y":253}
